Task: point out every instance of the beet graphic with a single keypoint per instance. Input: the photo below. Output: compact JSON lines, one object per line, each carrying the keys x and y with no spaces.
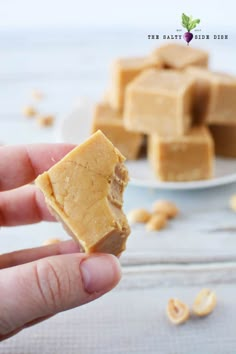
{"x":189,"y":23}
{"x":188,"y":36}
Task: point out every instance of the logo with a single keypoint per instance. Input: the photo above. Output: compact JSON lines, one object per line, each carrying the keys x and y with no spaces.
{"x":189,"y":23}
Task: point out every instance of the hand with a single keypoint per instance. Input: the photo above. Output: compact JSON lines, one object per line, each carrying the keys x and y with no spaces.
{"x":37,"y":283}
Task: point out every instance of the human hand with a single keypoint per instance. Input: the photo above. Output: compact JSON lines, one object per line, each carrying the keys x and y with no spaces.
{"x":38,"y":283}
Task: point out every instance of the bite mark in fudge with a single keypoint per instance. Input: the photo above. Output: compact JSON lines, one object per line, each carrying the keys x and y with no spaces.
{"x":159,"y":102}
{"x":85,"y":191}
{"x":108,"y":121}
{"x":185,"y":158}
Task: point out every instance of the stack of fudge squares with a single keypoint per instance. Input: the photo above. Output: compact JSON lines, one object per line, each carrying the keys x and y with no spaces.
{"x":173,"y":101}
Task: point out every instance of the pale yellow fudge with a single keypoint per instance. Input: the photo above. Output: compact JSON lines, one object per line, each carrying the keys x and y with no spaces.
{"x":177,"y":56}
{"x":225,"y":139}
{"x":185,"y":158}
{"x":201,"y":93}
{"x":215,"y":94}
{"x":84,"y":190}
{"x":123,"y":72}
{"x":108,"y":121}
{"x":159,"y":102}
{"x":106,"y":99}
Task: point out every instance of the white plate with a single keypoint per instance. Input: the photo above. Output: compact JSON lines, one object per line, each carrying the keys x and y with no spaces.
{"x":76,"y":127}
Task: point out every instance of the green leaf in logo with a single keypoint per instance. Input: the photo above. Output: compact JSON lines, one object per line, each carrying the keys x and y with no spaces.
{"x":185,"y":18}
{"x":189,"y":23}
{"x":194,"y":24}
{"x":185,"y":21}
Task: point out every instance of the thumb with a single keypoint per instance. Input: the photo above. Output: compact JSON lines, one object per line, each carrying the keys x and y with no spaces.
{"x":45,"y":287}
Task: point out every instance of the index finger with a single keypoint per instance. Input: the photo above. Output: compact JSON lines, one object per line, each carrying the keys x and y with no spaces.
{"x":20,"y":165}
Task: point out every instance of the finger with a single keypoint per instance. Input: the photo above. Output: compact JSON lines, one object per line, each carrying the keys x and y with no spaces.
{"x":24,"y":205}
{"x":32,"y":323}
{"x":29,"y":255}
{"x":20,"y":165}
{"x":43,"y":288}
{"x":38,"y":320}
{"x":8,"y":335}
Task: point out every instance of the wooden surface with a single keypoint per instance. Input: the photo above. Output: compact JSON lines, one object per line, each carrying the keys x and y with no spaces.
{"x":196,"y":250}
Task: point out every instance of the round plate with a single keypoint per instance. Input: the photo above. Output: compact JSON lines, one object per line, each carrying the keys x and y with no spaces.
{"x":76,"y":127}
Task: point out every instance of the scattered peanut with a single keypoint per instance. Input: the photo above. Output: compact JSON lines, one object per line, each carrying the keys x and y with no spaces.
{"x":177,"y":311}
{"x":204,"y":303}
{"x":139,"y":215}
{"x":233,"y":202}
{"x":37,"y":95}
{"x":165,"y":207}
{"x":51,"y":241}
{"x":45,"y":120}
{"x":29,"y":111}
{"x":156,"y":222}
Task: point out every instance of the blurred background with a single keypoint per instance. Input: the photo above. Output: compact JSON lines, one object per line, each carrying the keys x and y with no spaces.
{"x":64,"y":49}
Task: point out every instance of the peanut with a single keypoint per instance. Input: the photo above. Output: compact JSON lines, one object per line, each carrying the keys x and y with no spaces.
{"x":233,"y":202}
{"x":45,"y":121}
{"x":177,"y":311}
{"x":29,"y":111}
{"x":37,"y":95}
{"x":139,"y":215}
{"x":165,"y":207}
{"x":156,"y":222}
{"x":51,"y":241}
{"x":204,"y":303}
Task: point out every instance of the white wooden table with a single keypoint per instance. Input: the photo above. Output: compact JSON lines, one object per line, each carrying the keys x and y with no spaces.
{"x":196,"y":250}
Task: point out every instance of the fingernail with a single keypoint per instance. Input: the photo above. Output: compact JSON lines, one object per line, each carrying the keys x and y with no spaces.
{"x":100,"y":273}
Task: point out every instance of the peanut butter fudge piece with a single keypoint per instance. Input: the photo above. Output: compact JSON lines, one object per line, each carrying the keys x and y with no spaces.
{"x":107,"y":120}
{"x":159,"y":101}
{"x":123,"y":72}
{"x":185,"y":158}
{"x":201,"y":93}
{"x":84,"y":191}
{"x":106,"y":98}
{"x":176,"y":56}
{"x":214,"y":96}
{"x":225,"y":139}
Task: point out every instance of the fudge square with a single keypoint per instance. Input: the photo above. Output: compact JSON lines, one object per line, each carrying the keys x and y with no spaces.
{"x":84,"y":191}
{"x":214,"y":96}
{"x":159,"y":101}
{"x":176,"y":56}
{"x":185,"y":158}
{"x":201,"y":93}
{"x":124,"y":71}
{"x":108,"y":121}
{"x":224,"y":137}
